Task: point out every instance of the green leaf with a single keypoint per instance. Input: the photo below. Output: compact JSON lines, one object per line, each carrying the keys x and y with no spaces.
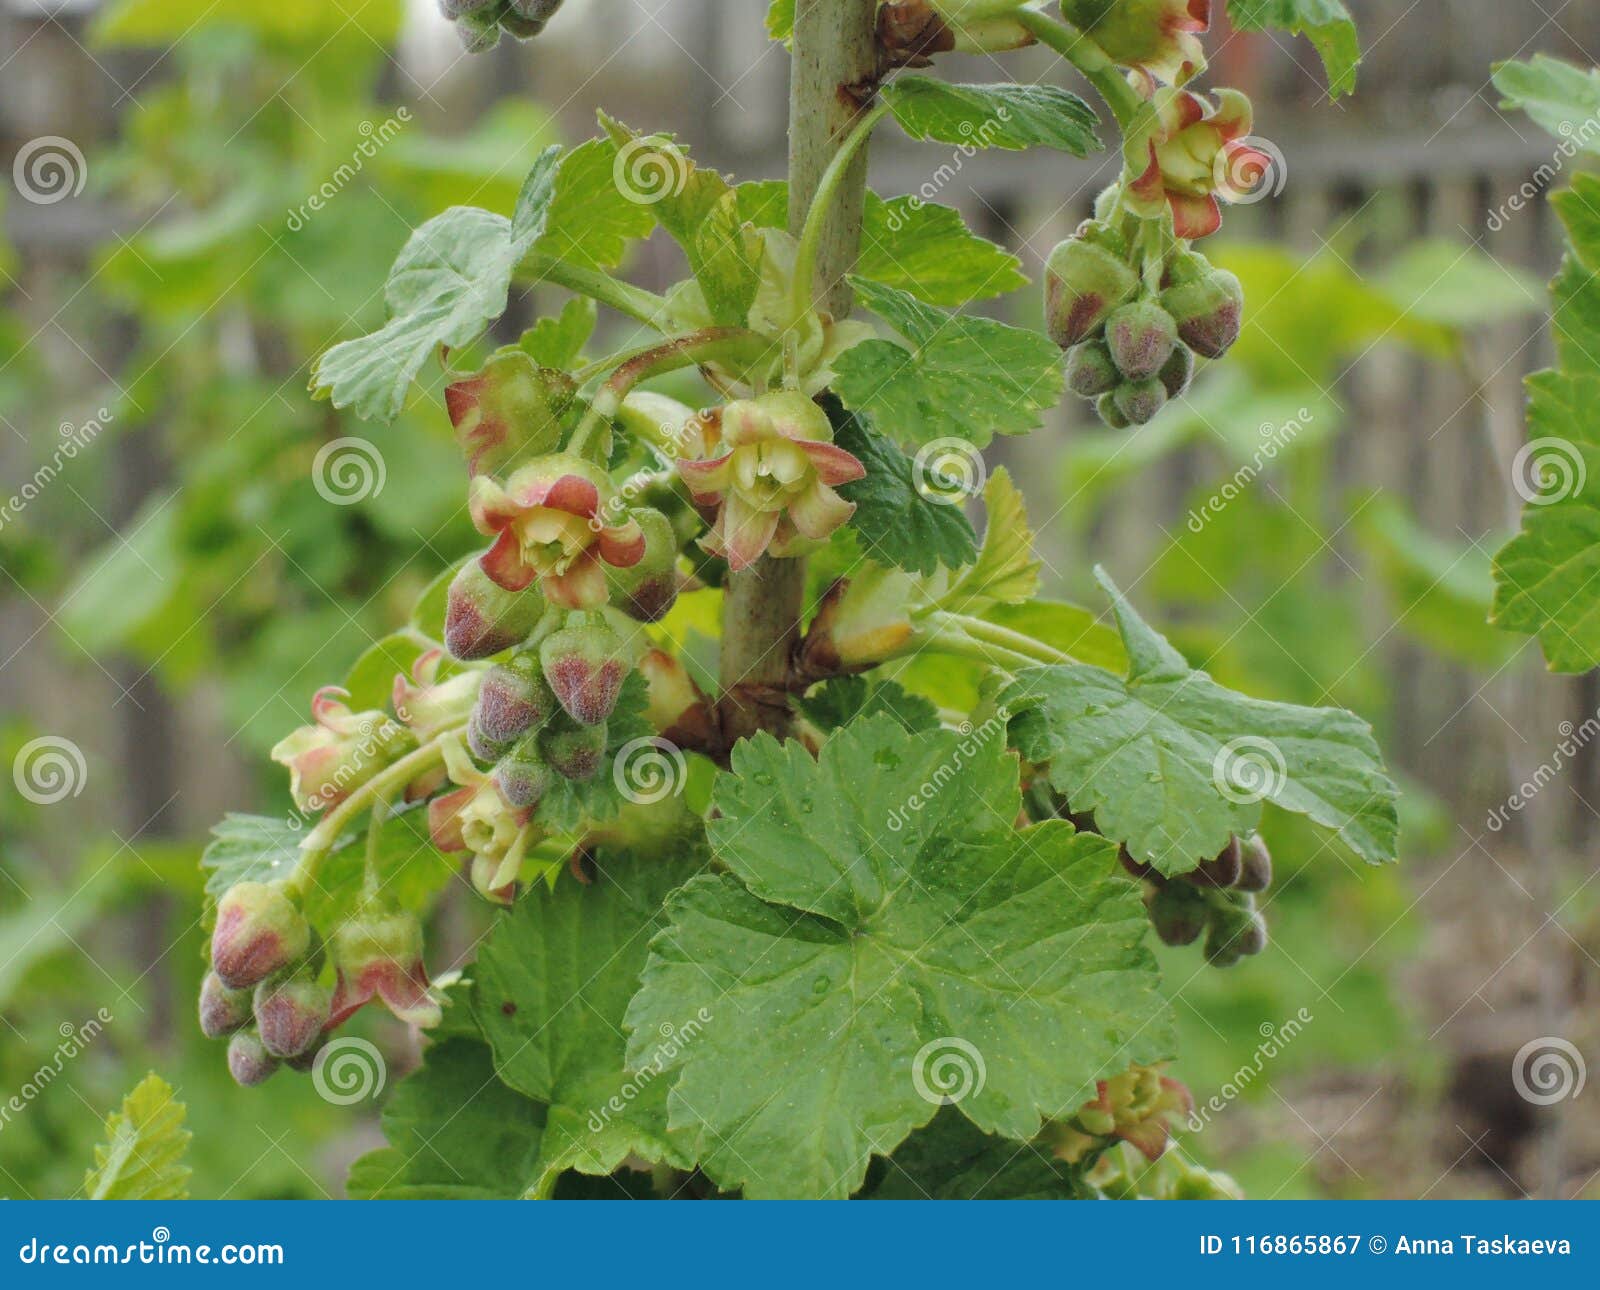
{"x":843,"y":699}
{"x":591,"y":220}
{"x":557,"y":342}
{"x":1005,"y":572}
{"x":1561,"y":97}
{"x":370,"y":679}
{"x":1325,"y":23}
{"x":964,"y":377}
{"x":1171,"y":763}
{"x":1000,"y":115}
{"x":552,"y":982}
{"x":898,"y":522}
{"x":882,"y":927}
{"x":780,"y":19}
{"x":952,"y":1159}
{"x":455,"y":1132}
{"x":146,"y":1142}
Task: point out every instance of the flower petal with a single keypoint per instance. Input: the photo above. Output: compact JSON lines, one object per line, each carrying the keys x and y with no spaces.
{"x":504,"y":564}
{"x":819,"y":511}
{"x":622,"y":545}
{"x":834,"y":465}
{"x":706,"y":479}
{"x":1194,"y":217}
{"x":582,"y":586}
{"x":745,"y":532}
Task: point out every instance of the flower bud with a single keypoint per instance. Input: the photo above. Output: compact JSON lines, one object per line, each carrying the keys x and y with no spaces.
{"x":1207,"y":310}
{"x":290,"y":1014}
{"x":1084,"y":281}
{"x":1177,"y":371}
{"x":1222,"y":871}
{"x":479,"y":30}
{"x":1140,"y":337}
{"x":453,"y":9}
{"x":1110,"y":413}
{"x":259,"y":931}
{"x":677,"y":707}
{"x":248,"y":1060}
{"x":1178,"y":913}
{"x":514,"y":698}
{"x":647,"y":590}
{"x":575,"y":752}
{"x":483,"y":618}
{"x":523,"y":774}
{"x":1090,"y":371}
{"x":1236,"y":932}
{"x":1139,"y":401}
{"x":585,"y":666}
{"x":379,"y":954}
{"x":222,"y":1010}
{"x":1255,"y":872}
{"x":483,"y":747}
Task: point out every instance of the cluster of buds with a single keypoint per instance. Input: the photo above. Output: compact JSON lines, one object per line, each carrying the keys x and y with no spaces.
{"x":1131,"y":349}
{"x":275,"y":993}
{"x":1135,"y":1107}
{"x":764,"y":475}
{"x":1217,"y":899}
{"x":481,"y":22}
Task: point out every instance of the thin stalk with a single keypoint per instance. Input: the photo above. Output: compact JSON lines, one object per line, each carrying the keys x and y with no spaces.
{"x":635,"y":302}
{"x":1018,"y":643}
{"x":828,"y":189}
{"x":1084,"y":53}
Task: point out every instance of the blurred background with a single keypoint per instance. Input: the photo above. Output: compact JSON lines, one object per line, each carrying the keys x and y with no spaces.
{"x":201,"y":195}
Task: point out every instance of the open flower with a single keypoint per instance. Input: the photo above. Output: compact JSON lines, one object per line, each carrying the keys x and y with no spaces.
{"x":547,"y":524}
{"x":1158,"y":38}
{"x":1135,"y":1106}
{"x":1196,"y":143}
{"x":333,"y":757}
{"x":773,"y":482}
{"x":475,"y":817}
{"x":378,"y":954}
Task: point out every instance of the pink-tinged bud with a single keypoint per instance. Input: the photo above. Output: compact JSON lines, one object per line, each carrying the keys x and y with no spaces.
{"x":677,"y":707}
{"x":1139,"y":401}
{"x":1209,"y":312}
{"x":575,"y":753}
{"x":482,"y":618}
{"x":1106,"y":406}
{"x":1177,"y":372}
{"x":514,"y":698}
{"x":523,"y":774}
{"x":305,"y":1061}
{"x":1140,"y":337}
{"x":1085,"y":279}
{"x":1090,"y":371}
{"x":430,"y":706}
{"x":585,"y":665}
{"x":259,"y":931}
{"x":379,"y":955}
{"x":506,"y":409}
{"x":860,"y":623}
{"x":333,"y":757}
{"x":222,"y":1011}
{"x":1178,"y":912}
{"x":1255,"y":872}
{"x":290,"y":1014}
{"x":1223,"y":870}
{"x":648,"y":589}
{"x":484,"y":748}
{"x":248,"y":1060}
